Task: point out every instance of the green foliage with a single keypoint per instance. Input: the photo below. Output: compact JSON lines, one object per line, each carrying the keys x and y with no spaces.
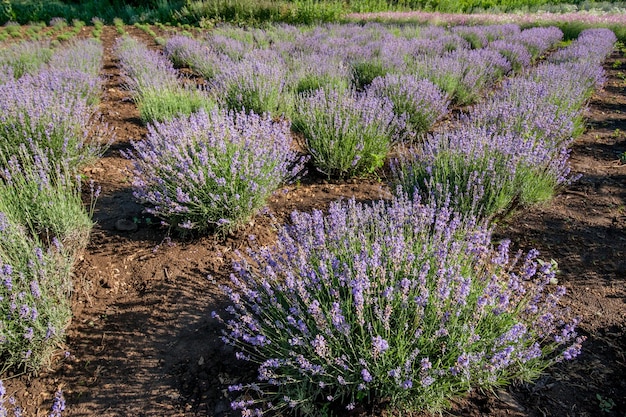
{"x":364,"y":72}
{"x":164,"y":105}
{"x":26,"y":57}
{"x":44,"y":227}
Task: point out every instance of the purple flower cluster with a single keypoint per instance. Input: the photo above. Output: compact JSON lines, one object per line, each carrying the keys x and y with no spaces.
{"x":26,"y":57}
{"x":143,"y":69}
{"x":55,"y":110}
{"x":256,"y":83}
{"x":514,"y":146}
{"x":154,"y":81}
{"x":212,"y":171}
{"x":356,"y":303}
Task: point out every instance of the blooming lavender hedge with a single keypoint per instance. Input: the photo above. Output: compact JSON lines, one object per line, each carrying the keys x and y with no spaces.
{"x":25,"y":57}
{"x":347,"y":133}
{"x":257,"y":83}
{"x":52,"y":112}
{"x":212,"y":171}
{"x":184,"y":51}
{"x":514,"y":148}
{"x":396,"y":301}
{"x":485,"y":172}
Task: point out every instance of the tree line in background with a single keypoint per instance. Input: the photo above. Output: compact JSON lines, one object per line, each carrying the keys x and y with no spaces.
{"x":255,"y":12}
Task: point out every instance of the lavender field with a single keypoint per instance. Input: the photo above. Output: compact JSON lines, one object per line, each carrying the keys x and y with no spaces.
{"x":371,"y":219}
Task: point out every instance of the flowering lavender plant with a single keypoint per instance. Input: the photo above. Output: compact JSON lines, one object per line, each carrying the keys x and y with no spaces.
{"x":45,"y":196}
{"x":47,"y":112}
{"x":153,"y":79}
{"x":313,"y":71}
{"x":184,"y":51}
{"x":484,"y":172}
{"x":212,"y":171}
{"x":25,"y":57}
{"x":398,"y":301}
{"x":35,"y":286}
{"x":347,"y":133}
{"x":256,"y":83}
{"x":420,"y":102}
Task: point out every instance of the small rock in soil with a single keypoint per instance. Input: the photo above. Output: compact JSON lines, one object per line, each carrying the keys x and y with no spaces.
{"x":125,"y":225}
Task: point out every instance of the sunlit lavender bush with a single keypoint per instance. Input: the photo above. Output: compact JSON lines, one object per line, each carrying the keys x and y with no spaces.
{"x":539,"y":40}
{"x":184,"y":51}
{"x":45,"y":197}
{"x":484,"y":171}
{"x":515,"y":52}
{"x":420,"y":102}
{"x":399,"y":302}
{"x":33,"y":112}
{"x":257,"y":83}
{"x":82,"y":55}
{"x":310,"y":72}
{"x":35,"y":286}
{"x":152,"y":77}
{"x":347,"y":133}
{"x":462,"y":74}
{"x":25,"y":57}
{"x":212,"y":171}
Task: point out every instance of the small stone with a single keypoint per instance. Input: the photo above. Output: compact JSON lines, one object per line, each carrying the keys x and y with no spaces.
{"x":125,"y":225}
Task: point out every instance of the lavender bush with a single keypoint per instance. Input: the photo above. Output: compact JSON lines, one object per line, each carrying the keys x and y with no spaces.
{"x":47,"y":111}
{"x":153,"y":79}
{"x":25,"y":57}
{"x":484,"y":172}
{"x":311,"y":72}
{"x":34,"y":298}
{"x":420,"y":102}
{"x":398,"y":301}
{"x":212,"y":171}
{"x":257,"y":83}
{"x":346,"y":133}
{"x":45,"y":197}
{"x":184,"y":51}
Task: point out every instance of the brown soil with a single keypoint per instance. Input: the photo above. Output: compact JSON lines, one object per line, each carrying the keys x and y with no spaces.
{"x":142,"y":342}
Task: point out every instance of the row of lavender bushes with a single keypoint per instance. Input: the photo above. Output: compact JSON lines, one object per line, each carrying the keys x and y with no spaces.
{"x":408,"y":302}
{"x":49,"y":130}
{"x":513,"y":148}
{"x":353,"y":91}
{"x":405,"y":302}
{"x":348,"y":125}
